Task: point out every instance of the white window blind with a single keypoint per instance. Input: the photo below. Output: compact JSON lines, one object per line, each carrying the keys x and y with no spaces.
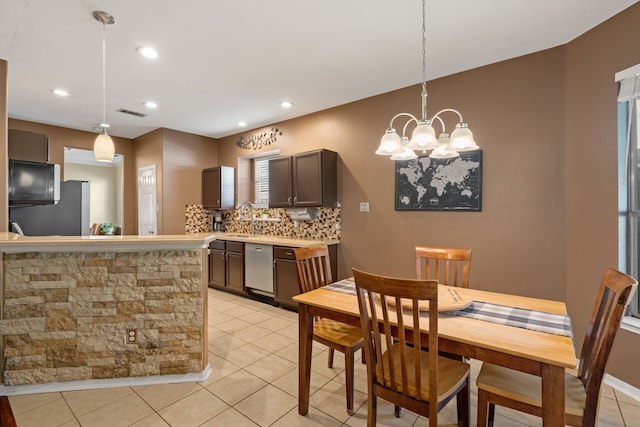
{"x":261,"y":180}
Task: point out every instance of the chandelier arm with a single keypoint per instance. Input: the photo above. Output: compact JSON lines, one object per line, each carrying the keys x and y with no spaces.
{"x":400,"y":115}
{"x":447,"y":110}
{"x":441,"y":123}
{"x":424,"y":61}
{"x":412,"y":119}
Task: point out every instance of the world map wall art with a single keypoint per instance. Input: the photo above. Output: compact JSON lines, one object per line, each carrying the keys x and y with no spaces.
{"x":440,"y":184}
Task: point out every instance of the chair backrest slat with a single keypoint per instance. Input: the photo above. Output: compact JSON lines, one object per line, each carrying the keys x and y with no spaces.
{"x":449,"y":266}
{"x":313,"y":267}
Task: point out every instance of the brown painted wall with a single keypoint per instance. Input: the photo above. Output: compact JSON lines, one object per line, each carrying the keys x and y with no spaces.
{"x":517,"y":239}
{"x":63,"y":137}
{"x":184,"y":157}
{"x":591,"y":170}
{"x":148,"y":151}
{"x":4,"y":201}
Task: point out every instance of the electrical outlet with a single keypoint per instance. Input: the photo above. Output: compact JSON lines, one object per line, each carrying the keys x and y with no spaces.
{"x":132,"y":336}
{"x":364,"y":206}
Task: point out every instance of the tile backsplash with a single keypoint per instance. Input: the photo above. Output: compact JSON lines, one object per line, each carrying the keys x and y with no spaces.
{"x":326,"y":225}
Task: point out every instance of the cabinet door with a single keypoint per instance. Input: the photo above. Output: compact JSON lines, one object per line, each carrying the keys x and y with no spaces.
{"x":285,"y":281}
{"x":235,"y":271}
{"x":307,"y":179}
{"x":280,"y":195}
{"x":211,"y":184}
{"x":217,"y":268}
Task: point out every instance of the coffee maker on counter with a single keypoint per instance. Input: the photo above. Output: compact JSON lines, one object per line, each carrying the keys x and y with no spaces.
{"x":217,"y":221}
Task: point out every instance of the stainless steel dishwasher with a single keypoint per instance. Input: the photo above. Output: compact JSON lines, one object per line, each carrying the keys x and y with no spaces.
{"x":258,"y":268}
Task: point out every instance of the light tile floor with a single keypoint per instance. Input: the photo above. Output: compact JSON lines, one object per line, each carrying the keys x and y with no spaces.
{"x":253,"y":354}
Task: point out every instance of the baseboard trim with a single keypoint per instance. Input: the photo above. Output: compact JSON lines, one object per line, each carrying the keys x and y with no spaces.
{"x":106,"y":383}
{"x":620,"y":385}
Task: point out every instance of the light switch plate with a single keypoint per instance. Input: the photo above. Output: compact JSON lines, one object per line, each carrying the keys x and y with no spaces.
{"x":364,"y":206}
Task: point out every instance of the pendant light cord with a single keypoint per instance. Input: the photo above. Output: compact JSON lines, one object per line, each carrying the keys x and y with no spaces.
{"x":104,"y":78}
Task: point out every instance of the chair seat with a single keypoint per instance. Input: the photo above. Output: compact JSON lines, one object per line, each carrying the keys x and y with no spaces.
{"x":451,"y":373}
{"x":527,"y":388}
{"x":338,"y":333}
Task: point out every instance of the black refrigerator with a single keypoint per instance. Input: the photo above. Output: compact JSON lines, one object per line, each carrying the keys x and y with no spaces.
{"x":68,"y":217}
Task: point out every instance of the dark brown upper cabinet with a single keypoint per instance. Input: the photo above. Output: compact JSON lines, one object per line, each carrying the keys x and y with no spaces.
{"x":29,"y":146}
{"x":304,"y":180}
{"x":218,"y":188}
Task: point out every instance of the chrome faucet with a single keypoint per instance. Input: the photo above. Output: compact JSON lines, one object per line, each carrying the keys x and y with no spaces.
{"x":252,"y":217}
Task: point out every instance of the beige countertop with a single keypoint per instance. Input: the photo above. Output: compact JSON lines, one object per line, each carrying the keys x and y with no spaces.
{"x":11,"y":242}
{"x":295,"y":242}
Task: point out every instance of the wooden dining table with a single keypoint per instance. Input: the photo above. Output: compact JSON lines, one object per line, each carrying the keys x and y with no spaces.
{"x":538,"y":353}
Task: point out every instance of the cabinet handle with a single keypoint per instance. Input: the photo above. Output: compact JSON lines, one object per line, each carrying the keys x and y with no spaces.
{"x":224,"y":256}
{"x":289,"y":253}
{"x":218,"y":203}
{"x":289,"y":199}
{"x":295,"y":199}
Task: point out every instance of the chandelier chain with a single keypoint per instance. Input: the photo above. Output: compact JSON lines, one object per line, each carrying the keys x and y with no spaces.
{"x":424,"y":47}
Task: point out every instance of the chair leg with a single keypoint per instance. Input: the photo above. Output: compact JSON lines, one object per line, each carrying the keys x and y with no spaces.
{"x":330,"y":357}
{"x":364,"y":361}
{"x":483,"y":402}
{"x":348,"y":367}
{"x":463,"y":403}
{"x":396,"y":410}
{"x":372,"y":408}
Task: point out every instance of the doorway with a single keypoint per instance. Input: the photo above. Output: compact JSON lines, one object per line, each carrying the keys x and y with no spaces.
{"x":147,"y":207}
{"x":105,"y":183}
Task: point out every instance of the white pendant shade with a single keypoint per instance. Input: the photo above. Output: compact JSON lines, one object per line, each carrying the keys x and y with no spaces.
{"x":423,"y":137}
{"x":389,"y":143}
{"x":462,"y":139}
{"x":103,"y":148}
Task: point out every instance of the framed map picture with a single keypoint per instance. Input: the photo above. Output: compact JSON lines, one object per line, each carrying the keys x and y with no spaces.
{"x":440,"y":184}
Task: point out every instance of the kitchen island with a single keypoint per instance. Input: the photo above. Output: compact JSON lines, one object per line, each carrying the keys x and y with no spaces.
{"x":103,"y":307}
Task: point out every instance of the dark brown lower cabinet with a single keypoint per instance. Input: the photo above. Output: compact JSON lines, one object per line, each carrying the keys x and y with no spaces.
{"x":285,"y":279}
{"x":226,"y":265}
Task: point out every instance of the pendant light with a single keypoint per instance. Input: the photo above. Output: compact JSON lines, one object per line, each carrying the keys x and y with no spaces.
{"x":103,"y":148}
{"x":423,"y":137}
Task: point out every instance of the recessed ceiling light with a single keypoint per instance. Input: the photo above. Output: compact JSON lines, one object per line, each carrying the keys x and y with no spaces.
{"x":148,"y":52}
{"x":151,"y":105}
{"x":60,"y":92}
{"x":286,"y":104}
{"x":242,"y":124}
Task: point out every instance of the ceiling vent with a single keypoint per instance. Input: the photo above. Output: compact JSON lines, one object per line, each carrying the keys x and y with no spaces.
{"x":131,"y":113}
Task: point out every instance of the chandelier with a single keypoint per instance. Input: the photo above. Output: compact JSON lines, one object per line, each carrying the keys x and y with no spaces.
{"x":423,"y":137}
{"x":103,"y":148}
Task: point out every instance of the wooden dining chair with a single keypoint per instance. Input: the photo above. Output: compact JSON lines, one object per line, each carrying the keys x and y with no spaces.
{"x":520,"y":391}
{"x":397,"y":371}
{"x":314,"y":270}
{"x":449,"y":266}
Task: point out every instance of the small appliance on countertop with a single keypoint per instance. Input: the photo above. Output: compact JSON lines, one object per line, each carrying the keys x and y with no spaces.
{"x":217,"y":221}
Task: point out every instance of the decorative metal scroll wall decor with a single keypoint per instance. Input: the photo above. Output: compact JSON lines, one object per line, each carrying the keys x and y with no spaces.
{"x":255,"y":142}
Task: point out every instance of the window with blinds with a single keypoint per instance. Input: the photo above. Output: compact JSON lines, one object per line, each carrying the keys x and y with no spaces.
{"x":629,"y":178}
{"x":261,"y":180}
{"x":253,"y":178}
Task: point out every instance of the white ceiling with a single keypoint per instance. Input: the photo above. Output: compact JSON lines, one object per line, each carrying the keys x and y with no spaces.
{"x":221,"y":62}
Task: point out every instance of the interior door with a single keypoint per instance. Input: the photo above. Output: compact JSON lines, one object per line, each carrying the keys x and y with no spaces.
{"x":147,"y":208}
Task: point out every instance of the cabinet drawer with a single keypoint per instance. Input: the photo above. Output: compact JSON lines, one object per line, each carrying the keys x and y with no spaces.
{"x":217,"y":244}
{"x":283,"y":252}
{"x":235,"y":246}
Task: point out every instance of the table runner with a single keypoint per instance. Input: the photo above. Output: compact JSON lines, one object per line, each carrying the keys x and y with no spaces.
{"x":541,"y":321}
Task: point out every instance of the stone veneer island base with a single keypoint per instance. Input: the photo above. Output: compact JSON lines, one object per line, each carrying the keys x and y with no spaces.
{"x":69,"y":305}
